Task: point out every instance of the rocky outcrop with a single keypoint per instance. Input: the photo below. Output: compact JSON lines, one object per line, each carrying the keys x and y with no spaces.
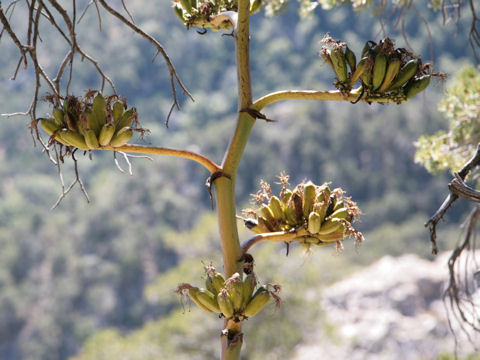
{"x":391,"y":310}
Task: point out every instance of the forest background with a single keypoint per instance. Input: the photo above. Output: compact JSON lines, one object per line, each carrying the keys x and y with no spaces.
{"x":68,"y":273}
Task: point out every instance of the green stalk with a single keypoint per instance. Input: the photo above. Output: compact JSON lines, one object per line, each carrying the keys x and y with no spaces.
{"x":225,"y":185}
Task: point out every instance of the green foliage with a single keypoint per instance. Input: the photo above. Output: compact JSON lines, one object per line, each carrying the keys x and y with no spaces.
{"x":461,"y":106}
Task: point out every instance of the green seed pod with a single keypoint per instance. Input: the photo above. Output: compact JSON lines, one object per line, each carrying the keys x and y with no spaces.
{"x":291,"y":216}
{"x":327,"y":57}
{"x":286,"y":195}
{"x":98,"y":117}
{"x":257,"y":302}
{"x":210,"y":286}
{"x":187,"y":6}
{"x":49,"y":126}
{"x":106,"y":134}
{"x":117,"y":111}
{"x":309,"y":193}
{"x":406,"y":73}
{"x":340,"y":64}
{"x":235,"y":286}
{"x":193,"y":3}
{"x":276,"y":208}
{"x":361,"y":68}
{"x":122,"y":137}
{"x":225,"y":303}
{"x":208,"y":300}
{"x":125,"y":120}
{"x":341,"y":213}
{"x":351,"y":59}
{"x":392,"y":71}
{"x":218,"y":281}
{"x":58,"y":116}
{"x":71,"y":138}
{"x":268,"y":217}
{"x":329,"y":226}
{"x":298,"y":206}
{"x":314,"y":223}
{"x":91,"y":139}
{"x":249,"y":284}
{"x":379,"y":70}
{"x":192,"y":293}
{"x":417,"y":85}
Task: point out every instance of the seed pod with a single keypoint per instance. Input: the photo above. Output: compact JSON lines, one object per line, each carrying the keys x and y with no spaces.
{"x":91,"y":139}
{"x":263,"y":226}
{"x":351,"y":59}
{"x":314,"y":223}
{"x":255,"y":6}
{"x":340,"y":64}
{"x":392,"y":71}
{"x":106,"y":134}
{"x":249,"y":284}
{"x":193,"y":3}
{"x":117,"y":111}
{"x":257,"y":302}
{"x":361,"y":68}
{"x":122,"y":137}
{"x":291,"y":216}
{"x":178,"y":10}
{"x":252,"y":224}
{"x":268,"y":216}
{"x":417,"y":85}
{"x":187,"y":5}
{"x":276,"y":207}
{"x":71,"y":138}
{"x":379,"y":70}
{"x":49,"y":126}
{"x":322,"y":210}
{"x":235,"y":285}
{"x":218,"y":281}
{"x":58,"y":116}
{"x":367,"y":78}
{"x":208,"y":300}
{"x":225,"y":303}
{"x":366,"y":49}
{"x":338,"y":205}
{"x":98,"y":113}
{"x":298,"y":206}
{"x":329,"y":226}
{"x":308,"y":198}
{"x":327,"y":57}
{"x":341,"y":213}
{"x":192,"y":293}
{"x":286,"y":195}
{"x":125,"y":120}
{"x":406,"y":73}
{"x":210,"y":286}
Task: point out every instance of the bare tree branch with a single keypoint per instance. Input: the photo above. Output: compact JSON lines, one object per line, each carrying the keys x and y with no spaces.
{"x":449,"y":200}
{"x":173,"y":73}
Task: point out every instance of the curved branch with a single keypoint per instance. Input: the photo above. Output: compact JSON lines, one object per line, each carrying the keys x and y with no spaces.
{"x":142,"y":149}
{"x":280,"y":236}
{"x":332,"y":95}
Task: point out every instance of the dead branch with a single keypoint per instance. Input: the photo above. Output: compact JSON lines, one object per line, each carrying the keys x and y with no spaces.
{"x":450,"y":199}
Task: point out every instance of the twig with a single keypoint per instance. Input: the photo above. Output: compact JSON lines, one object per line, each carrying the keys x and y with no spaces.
{"x":449,"y":200}
{"x":173,"y":73}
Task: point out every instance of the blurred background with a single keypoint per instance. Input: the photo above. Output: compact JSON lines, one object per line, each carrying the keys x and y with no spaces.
{"x":96,"y":280}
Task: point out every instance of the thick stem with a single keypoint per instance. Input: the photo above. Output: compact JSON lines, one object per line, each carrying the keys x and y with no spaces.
{"x":225,"y":185}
